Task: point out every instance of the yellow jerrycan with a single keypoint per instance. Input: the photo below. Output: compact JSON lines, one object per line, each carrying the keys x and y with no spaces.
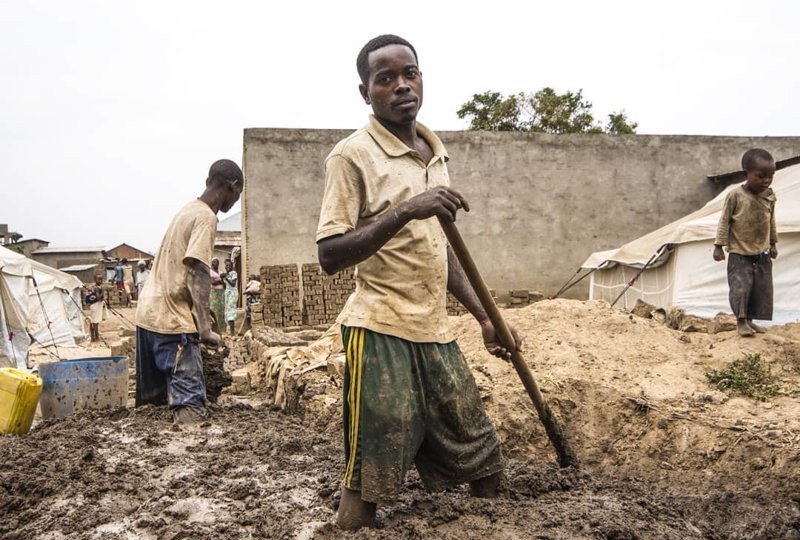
{"x":19,"y":395}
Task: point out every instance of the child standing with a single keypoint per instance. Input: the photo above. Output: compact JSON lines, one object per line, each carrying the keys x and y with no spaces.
{"x":747,"y":228}
{"x":96,"y":303}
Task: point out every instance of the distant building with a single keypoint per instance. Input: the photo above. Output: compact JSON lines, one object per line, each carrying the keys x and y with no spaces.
{"x":63,"y":257}
{"x":29,"y":245}
{"x":126,"y":251}
{"x":84,"y":272}
{"x":7,"y":237}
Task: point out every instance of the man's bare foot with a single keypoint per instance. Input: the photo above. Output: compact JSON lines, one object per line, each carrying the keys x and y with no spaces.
{"x":758,"y":329}
{"x":485,"y":487}
{"x":744,"y":329}
{"x":355,"y":513}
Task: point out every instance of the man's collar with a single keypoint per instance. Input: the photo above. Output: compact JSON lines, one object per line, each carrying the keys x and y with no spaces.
{"x":394,"y":147}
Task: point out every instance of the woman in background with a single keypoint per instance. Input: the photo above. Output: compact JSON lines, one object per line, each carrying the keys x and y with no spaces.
{"x":231,"y":279}
{"x":217,"y":303}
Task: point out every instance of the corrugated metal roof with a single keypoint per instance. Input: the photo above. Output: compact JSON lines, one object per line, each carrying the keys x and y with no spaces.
{"x":78,"y":267}
{"x":58,"y":249}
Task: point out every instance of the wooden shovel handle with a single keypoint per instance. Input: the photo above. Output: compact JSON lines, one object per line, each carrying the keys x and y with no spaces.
{"x":566,"y":457}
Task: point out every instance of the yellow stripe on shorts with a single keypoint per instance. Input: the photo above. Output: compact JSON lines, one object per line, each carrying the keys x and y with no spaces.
{"x":355,"y":362}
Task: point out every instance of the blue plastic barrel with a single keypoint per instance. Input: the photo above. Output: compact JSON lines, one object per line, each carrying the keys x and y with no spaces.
{"x":83,"y":383}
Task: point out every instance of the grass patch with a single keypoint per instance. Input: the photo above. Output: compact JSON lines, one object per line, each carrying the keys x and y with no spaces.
{"x":749,"y":376}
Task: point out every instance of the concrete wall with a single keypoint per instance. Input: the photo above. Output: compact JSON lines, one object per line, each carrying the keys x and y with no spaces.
{"x":540,"y":203}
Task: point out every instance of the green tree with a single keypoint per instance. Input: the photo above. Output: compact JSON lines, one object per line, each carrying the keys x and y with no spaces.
{"x":491,"y":111}
{"x":620,"y":124}
{"x":545,"y":111}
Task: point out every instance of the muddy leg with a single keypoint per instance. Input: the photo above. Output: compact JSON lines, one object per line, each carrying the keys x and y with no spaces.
{"x":231,"y":329}
{"x":744,"y":329}
{"x":485,"y":487}
{"x":353,"y":512}
{"x":755,"y":327}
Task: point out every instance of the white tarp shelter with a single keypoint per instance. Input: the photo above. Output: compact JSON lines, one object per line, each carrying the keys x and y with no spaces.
{"x":683,"y":273}
{"x":39,"y":305}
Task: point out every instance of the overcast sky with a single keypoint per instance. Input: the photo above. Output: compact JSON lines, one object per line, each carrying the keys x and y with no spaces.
{"x":111,"y":112}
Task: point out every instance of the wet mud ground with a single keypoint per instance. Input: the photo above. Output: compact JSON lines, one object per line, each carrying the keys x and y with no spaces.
{"x":259,"y":473}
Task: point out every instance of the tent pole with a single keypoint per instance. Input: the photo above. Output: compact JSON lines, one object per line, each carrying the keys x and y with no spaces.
{"x":639,"y":273}
{"x":565,"y":288}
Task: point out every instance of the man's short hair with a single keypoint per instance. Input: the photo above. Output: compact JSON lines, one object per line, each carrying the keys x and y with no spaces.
{"x":749,"y":158}
{"x":225,"y":170}
{"x":362,"y":62}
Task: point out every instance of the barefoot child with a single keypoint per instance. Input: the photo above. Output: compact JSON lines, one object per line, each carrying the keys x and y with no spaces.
{"x":747,"y":228}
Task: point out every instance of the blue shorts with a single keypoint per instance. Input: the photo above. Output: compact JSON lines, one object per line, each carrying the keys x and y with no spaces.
{"x":169,"y":370}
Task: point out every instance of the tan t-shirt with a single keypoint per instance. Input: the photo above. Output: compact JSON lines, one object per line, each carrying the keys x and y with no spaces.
{"x":401,"y":289}
{"x":747,"y":223}
{"x":166,"y":305}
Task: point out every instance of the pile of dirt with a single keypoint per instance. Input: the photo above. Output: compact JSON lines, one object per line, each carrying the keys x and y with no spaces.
{"x":217,"y":378}
{"x":663,"y":453}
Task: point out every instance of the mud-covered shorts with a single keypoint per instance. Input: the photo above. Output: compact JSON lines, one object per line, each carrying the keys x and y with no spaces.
{"x":405,"y":403}
{"x":750,"y":286}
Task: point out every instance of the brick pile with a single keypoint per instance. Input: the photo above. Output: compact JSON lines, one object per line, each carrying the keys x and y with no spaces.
{"x":523,"y":297}
{"x":454,"y":307}
{"x":280,"y":295}
{"x":290,"y":296}
{"x":257,"y":314}
{"x":270,"y":296}
{"x":115,"y":297}
{"x":313,"y":295}
{"x":336,"y":289}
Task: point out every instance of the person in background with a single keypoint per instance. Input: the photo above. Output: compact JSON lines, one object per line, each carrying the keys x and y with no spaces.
{"x":96,"y":302}
{"x":217,"y":295}
{"x":119,"y":274}
{"x":173,"y":315}
{"x":141,"y":277}
{"x":252,"y":293}
{"x":231,"y":279}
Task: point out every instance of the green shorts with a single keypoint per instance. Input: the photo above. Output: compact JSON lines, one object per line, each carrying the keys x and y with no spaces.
{"x":405,"y":403}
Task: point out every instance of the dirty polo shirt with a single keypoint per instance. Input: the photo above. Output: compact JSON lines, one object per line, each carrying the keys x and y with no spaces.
{"x":166,"y":305}
{"x":747,"y":224}
{"x":401,"y":289}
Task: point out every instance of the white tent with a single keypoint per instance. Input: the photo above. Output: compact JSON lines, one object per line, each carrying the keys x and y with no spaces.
{"x":681,"y":270}
{"x":38,"y":305}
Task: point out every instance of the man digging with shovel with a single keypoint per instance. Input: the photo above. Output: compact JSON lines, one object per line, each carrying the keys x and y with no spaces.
{"x":173,"y":315}
{"x":408,"y":394}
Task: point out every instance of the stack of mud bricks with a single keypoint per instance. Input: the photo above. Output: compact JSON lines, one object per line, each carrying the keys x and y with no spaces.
{"x":324,"y":296}
{"x":523,"y":297}
{"x":280,"y":296}
{"x":271,"y":313}
{"x":454,"y":307}
{"x":257,"y":314}
{"x":336,"y":289}
{"x":313,"y":295}
{"x":114,"y":297}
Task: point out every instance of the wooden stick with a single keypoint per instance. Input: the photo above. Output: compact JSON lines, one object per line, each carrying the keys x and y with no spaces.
{"x":566,"y":457}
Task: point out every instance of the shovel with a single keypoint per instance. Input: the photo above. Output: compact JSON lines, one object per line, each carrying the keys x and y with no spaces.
{"x":566,"y":457}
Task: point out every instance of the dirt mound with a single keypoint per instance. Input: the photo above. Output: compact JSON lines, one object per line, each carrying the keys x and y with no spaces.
{"x":664,"y":454}
{"x":217,"y":378}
